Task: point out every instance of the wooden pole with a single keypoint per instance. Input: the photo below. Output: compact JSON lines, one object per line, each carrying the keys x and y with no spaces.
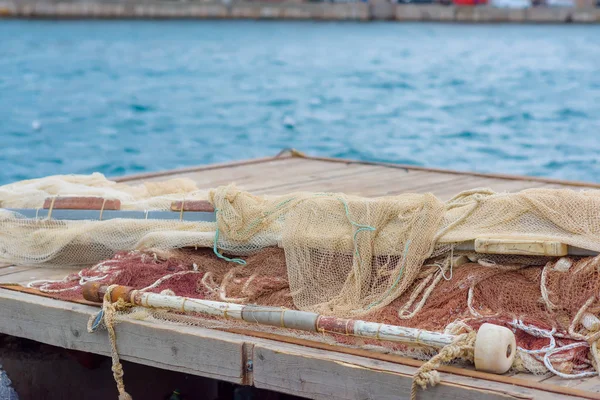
{"x":495,"y":346}
{"x":273,"y":316}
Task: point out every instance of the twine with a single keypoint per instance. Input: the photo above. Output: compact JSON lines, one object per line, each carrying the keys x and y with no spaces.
{"x":463,"y":346}
{"x":49,"y":216}
{"x":108,"y":318}
{"x":216,"y":251}
{"x":102,"y":209}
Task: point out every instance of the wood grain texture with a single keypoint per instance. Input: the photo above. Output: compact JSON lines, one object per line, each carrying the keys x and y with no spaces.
{"x":288,"y":368}
{"x":26,"y":274}
{"x":185,"y":349}
{"x":82,"y":203}
{"x":332,"y":376}
{"x":192,"y":205}
{"x":283,"y":175}
{"x":520,"y":379}
{"x":10,"y":270}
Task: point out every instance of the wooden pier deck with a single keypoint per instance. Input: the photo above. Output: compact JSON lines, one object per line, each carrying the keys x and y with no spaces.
{"x":318,"y":373}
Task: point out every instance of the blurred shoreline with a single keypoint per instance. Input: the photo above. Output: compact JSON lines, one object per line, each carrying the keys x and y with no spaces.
{"x":580,"y":11}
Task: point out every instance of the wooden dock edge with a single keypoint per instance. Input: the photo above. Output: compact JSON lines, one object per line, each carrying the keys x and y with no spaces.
{"x":292,"y":10}
{"x":291,"y":153}
{"x":243,"y":359}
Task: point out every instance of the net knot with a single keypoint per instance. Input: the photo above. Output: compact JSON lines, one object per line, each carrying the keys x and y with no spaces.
{"x":427,"y":375}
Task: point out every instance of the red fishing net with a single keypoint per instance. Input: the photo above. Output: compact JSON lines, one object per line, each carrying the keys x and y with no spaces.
{"x":545,"y":305}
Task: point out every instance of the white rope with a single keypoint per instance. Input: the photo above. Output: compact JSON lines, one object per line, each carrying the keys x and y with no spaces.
{"x":545,"y":295}
{"x":571,"y":346}
{"x":536,"y":332}
{"x":167,"y":277}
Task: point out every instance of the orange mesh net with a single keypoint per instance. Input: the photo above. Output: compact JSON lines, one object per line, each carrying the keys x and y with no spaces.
{"x":545,"y":305}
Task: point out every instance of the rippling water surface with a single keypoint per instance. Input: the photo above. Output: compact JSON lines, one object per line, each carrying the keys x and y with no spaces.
{"x":128,"y":96}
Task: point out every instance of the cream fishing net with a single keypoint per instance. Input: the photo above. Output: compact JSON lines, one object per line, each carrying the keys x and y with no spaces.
{"x":400,"y":259}
{"x":345,"y":255}
{"x":51,"y":242}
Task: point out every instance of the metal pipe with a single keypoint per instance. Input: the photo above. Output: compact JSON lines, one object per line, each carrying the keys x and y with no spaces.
{"x":94,"y":215}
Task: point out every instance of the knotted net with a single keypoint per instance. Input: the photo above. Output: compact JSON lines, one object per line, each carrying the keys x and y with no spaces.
{"x":397,"y":259}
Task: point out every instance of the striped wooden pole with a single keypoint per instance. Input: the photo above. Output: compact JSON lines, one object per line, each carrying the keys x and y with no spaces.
{"x":497,"y":352}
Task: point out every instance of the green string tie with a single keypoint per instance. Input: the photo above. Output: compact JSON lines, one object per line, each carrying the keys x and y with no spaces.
{"x":216,"y":251}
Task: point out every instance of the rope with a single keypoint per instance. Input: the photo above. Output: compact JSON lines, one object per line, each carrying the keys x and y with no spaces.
{"x":403,"y":312}
{"x":108,"y":314}
{"x":181,"y":211}
{"x":49,"y":216}
{"x":102,"y":209}
{"x":292,"y":152}
{"x":461,"y":347}
{"x":167,"y":277}
{"x":571,"y":346}
{"x":216,"y":251}
{"x":360,"y":227}
{"x":578,"y":317}
{"x":396,"y":281}
{"x":545,"y":295}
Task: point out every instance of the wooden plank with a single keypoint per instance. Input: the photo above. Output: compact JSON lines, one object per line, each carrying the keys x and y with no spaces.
{"x":299,"y":181}
{"x":185,"y":349}
{"x":284,"y":175}
{"x":532,"y":377}
{"x":325,"y":375}
{"x":259,"y":179}
{"x":452,"y":183}
{"x":24,"y":289}
{"x":567,"y":383}
{"x":361,"y":182}
{"x":410,"y":168}
{"x":520,"y":379}
{"x":192,"y":205}
{"x":267,"y":173}
{"x":224,"y":355}
{"x":160,"y":175}
{"x":508,"y":245}
{"x":591,"y":385}
{"x":26,"y":274}
{"x":471,"y":173}
{"x":82,"y":203}
{"x":9,"y":270}
{"x":206,"y":176}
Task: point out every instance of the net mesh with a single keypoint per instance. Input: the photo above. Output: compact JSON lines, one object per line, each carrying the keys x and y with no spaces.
{"x":390,"y":259}
{"x":51,"y":242}
{"x":475,"y":294}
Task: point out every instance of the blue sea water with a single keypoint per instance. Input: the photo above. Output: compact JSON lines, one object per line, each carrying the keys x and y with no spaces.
{"x":129,"y":96}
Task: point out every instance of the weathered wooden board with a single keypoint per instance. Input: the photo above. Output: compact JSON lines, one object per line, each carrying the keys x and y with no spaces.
{"x":288,"y":174}
{"x":227,"y":356}
{"x":11,"y":269}
{"x":191,"y":350}
{"x":285,"y":367}
{"x":327,"y":375}
{"x":26,"y":274}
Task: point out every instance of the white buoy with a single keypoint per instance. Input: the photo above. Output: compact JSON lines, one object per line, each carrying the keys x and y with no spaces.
{"x":495,"y":349}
